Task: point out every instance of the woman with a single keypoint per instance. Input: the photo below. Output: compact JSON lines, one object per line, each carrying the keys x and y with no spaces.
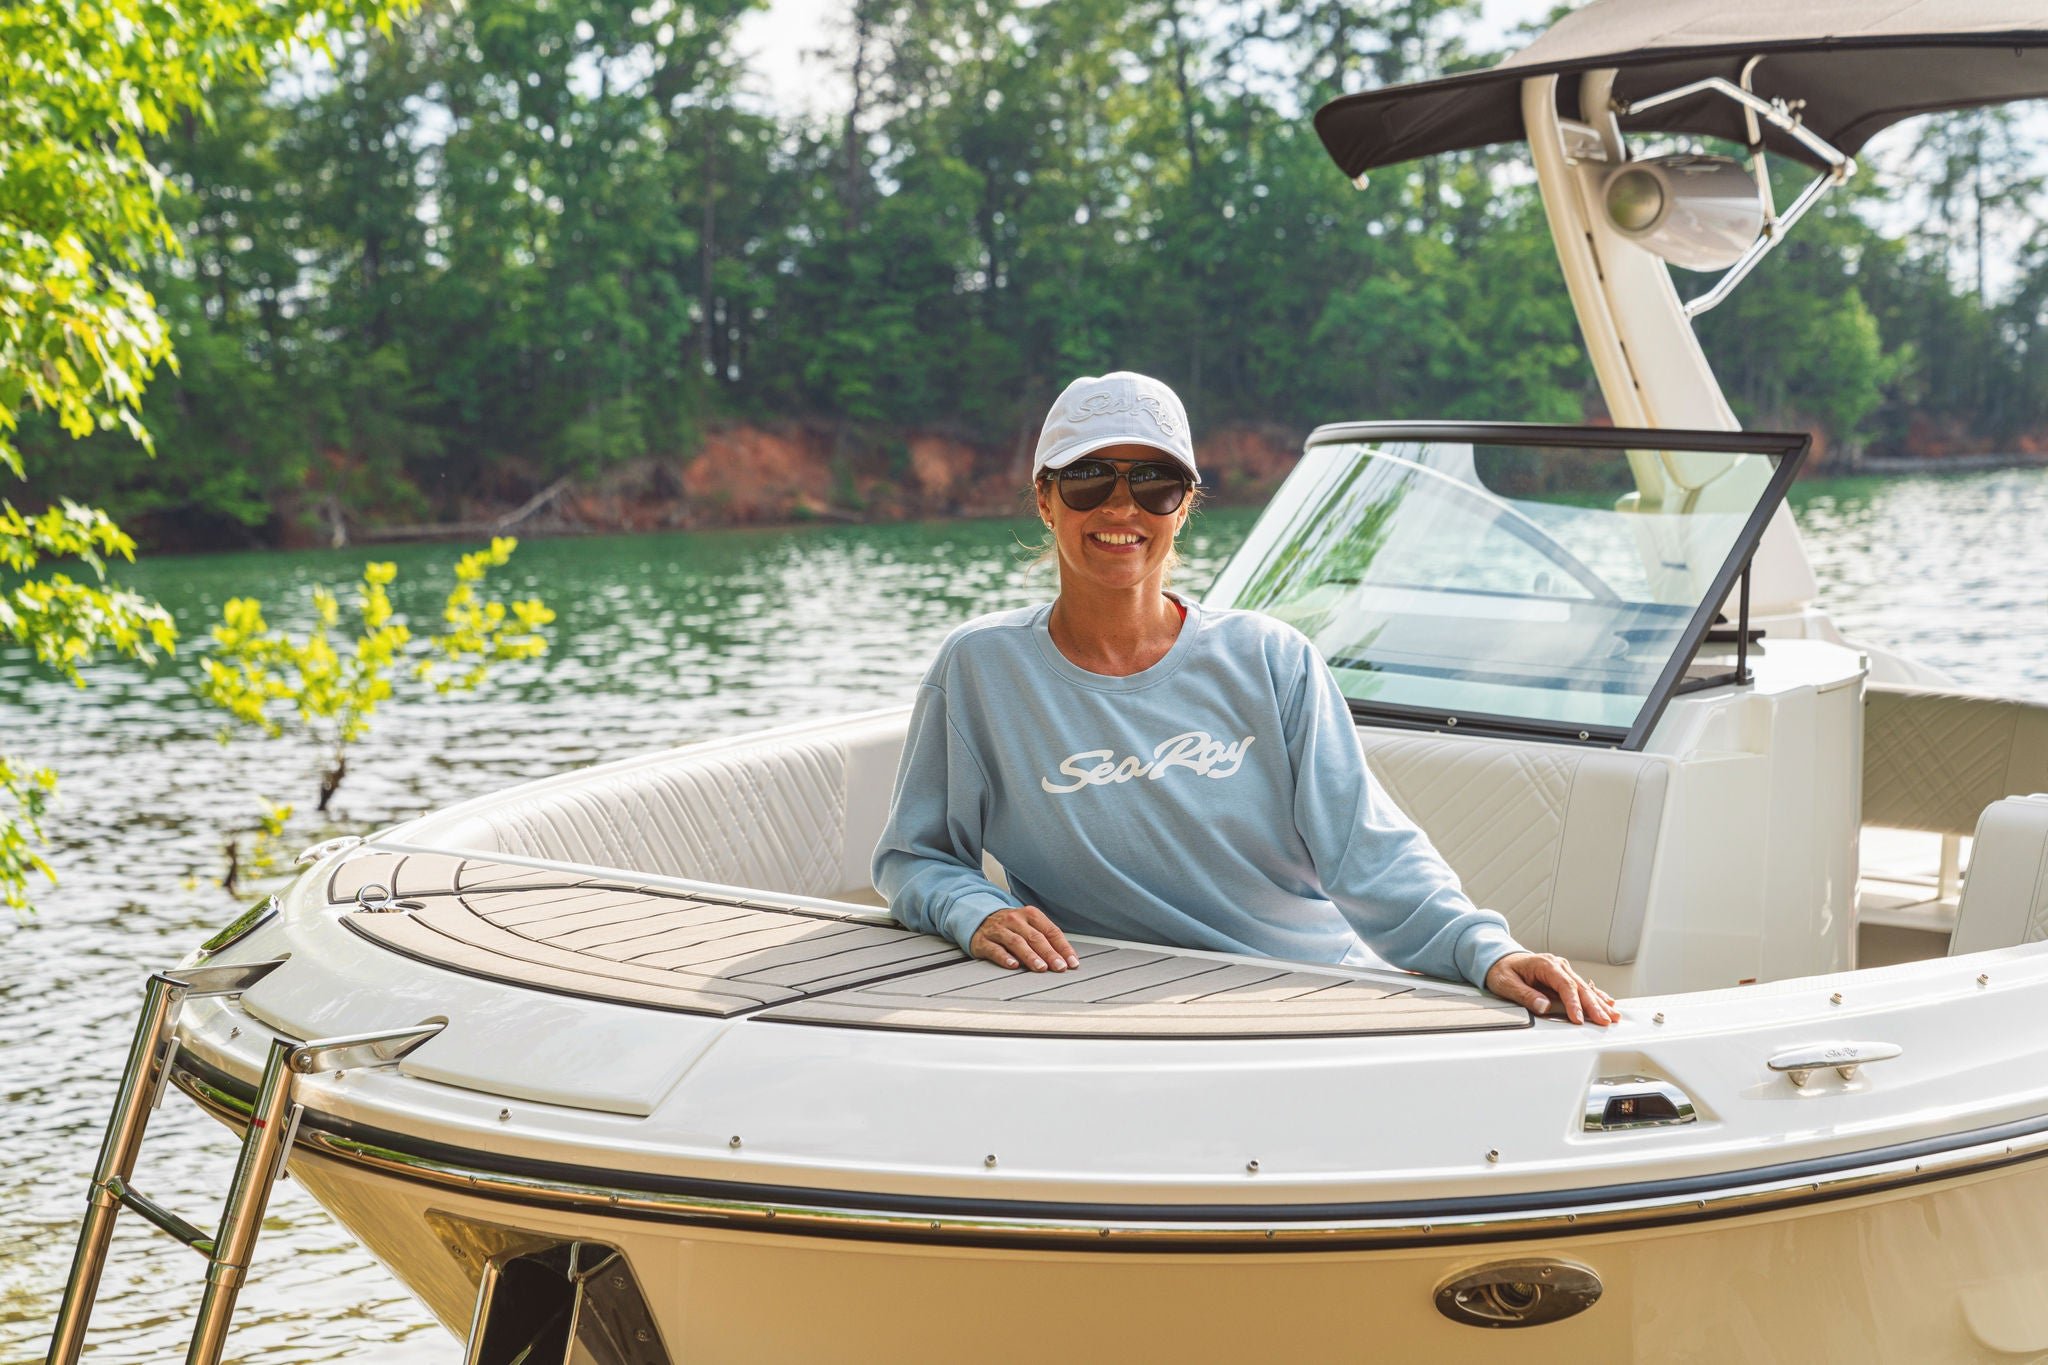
{"x":1148,"y":770}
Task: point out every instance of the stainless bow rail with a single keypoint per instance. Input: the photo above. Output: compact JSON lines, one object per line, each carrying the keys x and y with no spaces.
{"x":266,"y":1144}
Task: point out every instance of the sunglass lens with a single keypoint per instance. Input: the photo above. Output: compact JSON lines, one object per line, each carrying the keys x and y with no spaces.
{"x":1086,"y":485}
{"x":1158,"y":489}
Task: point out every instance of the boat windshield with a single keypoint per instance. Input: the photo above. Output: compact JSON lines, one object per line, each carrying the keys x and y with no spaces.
{"x":1536,"y":583}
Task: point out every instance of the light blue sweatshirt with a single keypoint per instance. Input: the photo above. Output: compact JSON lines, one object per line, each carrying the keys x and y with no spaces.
{"x":1217,"y":800}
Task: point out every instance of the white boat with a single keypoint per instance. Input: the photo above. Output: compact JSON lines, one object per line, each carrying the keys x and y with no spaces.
{"x":625,"y":1065}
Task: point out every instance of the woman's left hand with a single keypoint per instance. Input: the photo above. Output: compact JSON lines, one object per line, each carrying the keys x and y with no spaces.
{"x":1525,"y":977}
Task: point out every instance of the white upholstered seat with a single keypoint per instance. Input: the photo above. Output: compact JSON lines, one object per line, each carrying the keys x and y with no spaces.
{"x":2005,"y":897}
{"x":796,"y":810}
{"x":1559,"y":840}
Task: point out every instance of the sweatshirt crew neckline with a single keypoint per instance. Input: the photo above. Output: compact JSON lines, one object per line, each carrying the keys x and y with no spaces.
{"x":1169,"y":662}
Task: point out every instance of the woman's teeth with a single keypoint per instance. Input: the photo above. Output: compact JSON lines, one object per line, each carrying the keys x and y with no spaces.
{"x":1118,"y":537}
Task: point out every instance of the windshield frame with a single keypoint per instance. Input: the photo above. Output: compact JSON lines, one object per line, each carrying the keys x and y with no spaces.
{"x":1788,"y":449}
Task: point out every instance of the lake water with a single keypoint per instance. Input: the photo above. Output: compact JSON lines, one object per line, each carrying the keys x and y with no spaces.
{"x":661,"y":640}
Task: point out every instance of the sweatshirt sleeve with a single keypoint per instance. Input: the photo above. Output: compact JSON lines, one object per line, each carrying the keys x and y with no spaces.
{"x":1380,"y":870}
{"x":928,"y":863}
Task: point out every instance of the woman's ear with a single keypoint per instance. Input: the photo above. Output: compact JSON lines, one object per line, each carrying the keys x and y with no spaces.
{"x":1043,"y":490}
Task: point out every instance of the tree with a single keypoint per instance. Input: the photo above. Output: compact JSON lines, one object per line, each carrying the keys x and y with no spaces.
{"x":81,"y":211}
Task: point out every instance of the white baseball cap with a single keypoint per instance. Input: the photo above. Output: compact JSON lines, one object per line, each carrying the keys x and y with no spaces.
{"x":1120,"y":408}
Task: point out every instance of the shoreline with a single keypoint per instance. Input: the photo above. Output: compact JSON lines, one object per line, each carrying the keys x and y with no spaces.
{"x":764,"y":481}
{"x":545,"y":516}
{"x":1945,"y":464}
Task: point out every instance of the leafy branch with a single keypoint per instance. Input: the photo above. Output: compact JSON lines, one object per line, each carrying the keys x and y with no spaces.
{"x":66,"y":623}
{"x":326,"y":691}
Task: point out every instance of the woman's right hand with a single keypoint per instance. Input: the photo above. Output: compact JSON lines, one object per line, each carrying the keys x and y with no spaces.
{"x":1024,"y":936}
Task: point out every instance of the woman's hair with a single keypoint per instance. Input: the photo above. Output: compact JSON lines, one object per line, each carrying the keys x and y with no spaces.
{"x":1045,"y":551}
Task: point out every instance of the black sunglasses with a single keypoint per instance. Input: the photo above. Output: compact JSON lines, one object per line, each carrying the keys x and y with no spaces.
{"x":1158,"y":488}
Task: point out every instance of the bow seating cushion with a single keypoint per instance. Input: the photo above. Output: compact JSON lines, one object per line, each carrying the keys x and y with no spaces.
{"x":797,"y":811}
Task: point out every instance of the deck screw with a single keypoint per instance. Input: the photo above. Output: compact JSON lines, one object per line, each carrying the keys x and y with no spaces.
{"x":1835,"y":999}
{"x":1983,"y":978}
{"x":1658,"y":1017}
{"x":339,"y":1074}
{"x":1251,"y":1167}
{"x":1493,"y":1154}
{"x":618,"y":1281}
{"x":504,"y":1116}
{"x":641,"y":1335}
{"x":989,"y":1161}
{"x":235,"y":1032}
{"x":734,"y":1142}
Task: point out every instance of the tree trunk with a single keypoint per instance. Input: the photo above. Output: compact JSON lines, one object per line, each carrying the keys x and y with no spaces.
{"x":707,"y":249}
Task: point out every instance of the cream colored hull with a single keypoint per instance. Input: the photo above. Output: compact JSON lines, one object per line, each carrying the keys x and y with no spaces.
{"x":1939,"y":1272}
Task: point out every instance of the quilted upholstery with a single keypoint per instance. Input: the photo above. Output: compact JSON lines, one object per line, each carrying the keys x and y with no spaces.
{"x":2005,"y":897}
{"x":1560,"y":841}
{"x":1934,"y":759}
{"x":796,"y":811}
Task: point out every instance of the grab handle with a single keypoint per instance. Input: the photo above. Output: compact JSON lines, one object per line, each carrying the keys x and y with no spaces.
{"x":1800,"y":1063}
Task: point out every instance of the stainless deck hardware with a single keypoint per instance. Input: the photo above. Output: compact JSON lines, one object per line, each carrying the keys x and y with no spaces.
{"x":1518,"y":1294}
{"x":325,"y":847}
{"x":266,"y":1143}
{"x":1619,"y":1103}
{"x":1800,"y":1063}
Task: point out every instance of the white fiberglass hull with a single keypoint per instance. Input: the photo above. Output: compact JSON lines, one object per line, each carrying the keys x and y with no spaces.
{"x":1935,"y":1272}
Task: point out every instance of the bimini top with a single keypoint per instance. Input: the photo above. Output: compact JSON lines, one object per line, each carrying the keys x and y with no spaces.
{"x":1859,"y":65}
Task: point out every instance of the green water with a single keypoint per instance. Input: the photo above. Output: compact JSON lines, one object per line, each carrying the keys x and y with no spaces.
{"x":660,"y":640}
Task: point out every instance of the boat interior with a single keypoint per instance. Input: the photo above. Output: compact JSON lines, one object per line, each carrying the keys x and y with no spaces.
{"x":732,"y":877}
{"x":1545,"y":678}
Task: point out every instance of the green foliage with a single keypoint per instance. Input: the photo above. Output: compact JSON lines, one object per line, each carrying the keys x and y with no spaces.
{"x":88,"y":87}
{"x":65,"y":622}
{"x":24,"y":796}
{"x":262,"y":855}
{"x":325,"y":691}
{"x":518,"y":240}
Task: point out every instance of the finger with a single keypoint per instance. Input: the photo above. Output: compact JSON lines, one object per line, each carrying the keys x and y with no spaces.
{"x":1021,"y":946}
{"x":1573,"y":991}
{"x":1597,"y":1005}
{"x":1040,"y":944}
{"x":1557,"y":978}
{"x":1053,"y":937}
{"x":988,"y":950}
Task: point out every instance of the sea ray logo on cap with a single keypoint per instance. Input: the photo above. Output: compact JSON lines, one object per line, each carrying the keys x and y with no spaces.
{"x":1104,"y":404}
